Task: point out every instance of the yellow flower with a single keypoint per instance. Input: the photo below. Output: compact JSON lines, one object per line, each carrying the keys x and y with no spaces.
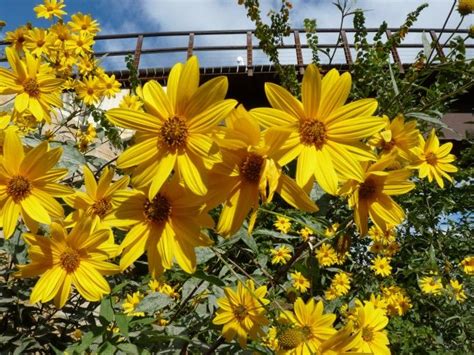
{"x":131,"y":304}
{"x":132,"y":102}
{"x":36,"y":89}
{"x":270,"y":340}
{"x":86,"y":138}
{"x":281,"y":255}
{"x":28,"y":184}
{"x":433,"y":160}
{"x":397,"y":303}
{"x":162,"y":287}
{"x":398,"y":137}
{"x":331,"y":231}
{"x":98,"y":200}
{"x":300,"y":282}
{"x":321,"y":131}
{"x":175,"y":129}
{"x":326,"y":255}
{"x":83,"y":23}
{"x":248,"y":173}
{"x":465,"y":7}
{"x":309,"y":327}
{"x":50,"y":8}
{"x":468,"y":265}
{"x":385,"y":237}
{"x":381,"y":266}
{"x":242,"y":312}
{"x":341,"y":342}
{"x":167,"y":226}
{"x":340,"y":285}
{"x":458,"y":292}
{"x":90,"y":90}
{"x":77,"y":258}
{"x":38,"y":41}
{"x":371,"y":195}
{"x":371,"y":322}
{"x":80,"y":44}
{"x":305,"y":233}
{"x":61,"y":34}
{"x":282,"y":224}
{"x":431,"y":285}
{"x":86,"y":65}
{"x":17,"y":37}
{"x":110,"y":85}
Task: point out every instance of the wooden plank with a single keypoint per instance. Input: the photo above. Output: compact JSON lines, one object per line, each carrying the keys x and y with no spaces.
{"x":437,"y":46}
{"x":138,"y":52}
{"x":347,"y":51}
{"x":299,"y":53}
{"x":395,"y":55}
{"x":249,"y":54}
{"x":190,"y":45}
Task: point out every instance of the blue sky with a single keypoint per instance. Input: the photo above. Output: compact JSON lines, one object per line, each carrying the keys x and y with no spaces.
{"x":125,"y":16}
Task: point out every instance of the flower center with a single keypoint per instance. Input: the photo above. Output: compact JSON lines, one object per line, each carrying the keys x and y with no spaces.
{"x":18,"y":188}
{"x":313,"y":132}
{"x":367,"y":334}
{"x":291,"y":338}
{"x":90,"y":91}
{"x":250,"y":167}
{"x":84,"y":26}
{"x":101,"y":207}
{"x":31,"y":87}
{"x":431,"y":158}
{"x":158,"y":210}
{"x":174,"y":132}
{"x":240,"y":312}
{"x":388,"y":146}
{"x":70,"y":260}
{"x":367,"y":190}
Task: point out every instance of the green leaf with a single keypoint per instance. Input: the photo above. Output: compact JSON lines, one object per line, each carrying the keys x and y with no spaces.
{"x":122,"y":321}
{"x":209,"y":278}
{"x":106,"y":310}
{"x":154,"y":302}
{"x":428,"y":118}
{"x":128,"y":348}
{"x":394,"y":82}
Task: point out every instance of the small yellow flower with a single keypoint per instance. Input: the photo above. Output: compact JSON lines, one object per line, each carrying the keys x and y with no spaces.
{"x":90,"y":90}
{"x":465,"y":7}
{"x":281,"y":255}
{"x":86,"y":137}
{"x":131,"y":304}
{"x":340,"y":285}
{"x":458,"y":292}
{"x":50,"y":8}
{"x":300,"y":282}
{"x":431,"y":285}
{"x":305,"y":233}
{"x":371,"y":322}
{"x":326,"y":255}
{"x":270,"y":340}
{"x":331,"y":231}
{"x":282,"y":224}
{"x":381,"y":266}
{"x":132,"y":102}
{"x":468,"y":265}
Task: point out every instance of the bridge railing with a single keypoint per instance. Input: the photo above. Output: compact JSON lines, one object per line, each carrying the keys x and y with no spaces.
{"x":244,"y":42}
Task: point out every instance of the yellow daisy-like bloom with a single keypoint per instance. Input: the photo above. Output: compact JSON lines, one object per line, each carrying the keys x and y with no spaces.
{"x":131,"y":304}
{"x":4,"y":122}
{"x":331,"y":231}
{"x":431,"y":285}
{"x":398,"y":136}
{"x":381,"y":266}
{"x":17,"y":37}
{"x":300,"y":282}
{"x":83,"y":23}
{"x":163,"y":287}
{"x":49,"y":9}
{"x":321,"y":131}
{"x":90,"y":90}
{"x":98,"y":199}
{"x":248,"y":174}
{"x":38,"y":41}
{"x":468,"y":265}
{"x":465,"y":7}
{"x":371,"y":196}
{"x":28,"y":184}
{"x":132,"y":102}
{"x":398,"y":304}
{"x":282,"y":224}
{"x":433,"y":160}
{"x":77,"y":258}
{"x":166,"y":226}
{"x":309,"y":328}
{"x":85,"y":138}
{"x":386,"y":236}
{"x":80,"y":44}
{"x":340,"y":343}
{"x":458,"y":292}
{"x":174,"y":131}
{"x":372,"y":321}
{"x":326,"y":255}
{"x":37,"y":90}
{"x":110,"y":85}
{"x":242,"y":312}
{"x":270,"y":340}
{"x":281,"y":255}
{"x":341,"y":283}
{"x":305,"y":233}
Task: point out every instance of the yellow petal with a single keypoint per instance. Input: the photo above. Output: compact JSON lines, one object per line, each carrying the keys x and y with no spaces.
{"x":139,"y":121}
{"x":270,"y":117}
{"x":188,"y":84}
{"x":89,"y":181}
{"x":305,"y":165}
{"x":34,"y":208}
{"x":10,"y":211}
{"x":13,"y":153}
{"x":211,"y":117}
{"x":138,"y":153}
{"x":281,"y":99}
{"x":162,"y":173}
{"x":156,"y":101}
{"x":207,"y":95}
{"x":294,"y":195}
{"x":172,"y":85}
{"x":311,"y":91}
{"x":193,"y":173}
{"x":324,"y":172}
